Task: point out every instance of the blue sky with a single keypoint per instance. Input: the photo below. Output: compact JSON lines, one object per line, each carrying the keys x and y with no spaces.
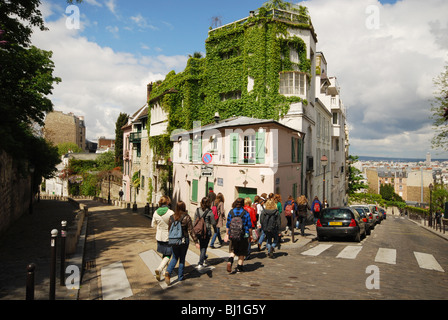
{"x":385,"y":73}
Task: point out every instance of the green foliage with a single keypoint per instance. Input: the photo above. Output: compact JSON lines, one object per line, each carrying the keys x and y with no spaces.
{"x":355,"y":177}
{"x":121,"y":121}
{"x":387,"y":191}
{"x":64,"y":148}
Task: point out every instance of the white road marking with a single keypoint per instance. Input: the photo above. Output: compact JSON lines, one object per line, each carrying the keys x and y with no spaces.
{"x":317,"y":250}
{"x":349,"y":252}
{"x":427,"y":261}
{"x":386,"y":256}
{"x":114,"y":282}
{"x":152,"y":261}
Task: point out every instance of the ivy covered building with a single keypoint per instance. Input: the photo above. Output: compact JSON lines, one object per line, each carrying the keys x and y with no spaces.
{"x":264,"y":66}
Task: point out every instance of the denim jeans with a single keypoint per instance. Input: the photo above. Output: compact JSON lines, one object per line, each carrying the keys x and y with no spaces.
{"x":203,"y":248}
{"x":271,"y":240}
{"x":262,"y":236}
{"x":217,"y":234}
{"x":179,"y":253}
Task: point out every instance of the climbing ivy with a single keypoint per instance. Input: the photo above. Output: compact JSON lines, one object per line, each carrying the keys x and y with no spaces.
{"x":257,"y":49}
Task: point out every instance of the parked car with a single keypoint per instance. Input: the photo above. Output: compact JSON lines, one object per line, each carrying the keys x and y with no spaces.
{"x":367,"y":216}
{"x":374,"y":210}
{"x":340,"y":222}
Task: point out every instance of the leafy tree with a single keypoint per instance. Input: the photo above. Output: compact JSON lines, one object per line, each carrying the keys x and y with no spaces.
{"x":121,"y":121}
{"x":355,"y":177}
{"x":64,"y":148}
{"x":440,"y":111}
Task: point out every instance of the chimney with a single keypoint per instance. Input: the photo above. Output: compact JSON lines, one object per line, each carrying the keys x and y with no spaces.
{"x":217,"y":117}
{"x":251,"y":13}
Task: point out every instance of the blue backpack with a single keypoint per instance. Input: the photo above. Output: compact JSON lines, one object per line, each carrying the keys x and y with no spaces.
{"x":175,"y":235}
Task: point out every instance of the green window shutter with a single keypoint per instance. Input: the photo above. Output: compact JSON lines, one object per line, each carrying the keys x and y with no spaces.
{"x":234,"y":147}
{"x":190,"y":150}
{"x":260,"y":143}
{"x":293,"y":150}
{"x":194,"y":191}
{"x":299,"y":150}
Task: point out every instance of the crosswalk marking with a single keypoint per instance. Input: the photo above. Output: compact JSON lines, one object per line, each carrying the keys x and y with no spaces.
{"x":317,"y":250}
{"x":427,"y":261}
{"x":385,"y":255}
{"x":349,"y":252}
{"x":115,"y":284}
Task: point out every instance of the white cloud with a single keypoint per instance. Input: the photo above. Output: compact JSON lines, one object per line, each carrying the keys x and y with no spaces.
{"x":97,"y":82}
{"x":385,"y":74}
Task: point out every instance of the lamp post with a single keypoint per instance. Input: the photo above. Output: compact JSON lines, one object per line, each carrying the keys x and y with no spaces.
{"x":324,"y":162}
{"x":108,"y":197}
{"x":431,"y":187}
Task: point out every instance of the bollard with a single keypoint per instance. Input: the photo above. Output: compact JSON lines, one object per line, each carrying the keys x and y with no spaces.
{"x":30,"y":281}
{"x":292,"y":227}
{"x":147,"y":209}
{"x":63,"y":236}
{"x":54,"y":234}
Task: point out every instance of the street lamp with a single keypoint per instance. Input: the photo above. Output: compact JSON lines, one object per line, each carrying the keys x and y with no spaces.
{"x":108,"y":197}
{"x":431,"y":187}
{"x":324,"y":162}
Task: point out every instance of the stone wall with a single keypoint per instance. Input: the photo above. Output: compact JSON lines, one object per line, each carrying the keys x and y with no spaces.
{"x":15,"y":193}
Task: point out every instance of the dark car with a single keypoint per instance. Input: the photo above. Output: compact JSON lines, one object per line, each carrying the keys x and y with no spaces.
{"x":340,"y":222}
{"x":383,"y":212}
{"x":367,"y":216}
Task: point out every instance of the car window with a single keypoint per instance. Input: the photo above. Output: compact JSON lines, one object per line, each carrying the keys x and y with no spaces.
{"x":338,"y":214}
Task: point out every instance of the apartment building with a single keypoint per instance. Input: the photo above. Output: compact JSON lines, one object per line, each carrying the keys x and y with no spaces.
{"x":61,"y":128}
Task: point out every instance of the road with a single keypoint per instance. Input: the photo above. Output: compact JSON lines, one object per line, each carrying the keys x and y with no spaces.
{"x":399,"y":260}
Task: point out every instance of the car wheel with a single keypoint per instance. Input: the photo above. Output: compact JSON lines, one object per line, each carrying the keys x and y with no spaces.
{"x":368,"y":231}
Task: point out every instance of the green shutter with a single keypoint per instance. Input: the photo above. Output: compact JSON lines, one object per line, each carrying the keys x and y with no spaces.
{"x":293,"y":152}
{"x":194,"y":191}
{"x":190,"y":150}
{"x":260,"y":147}
{"x":234,"y":147}
{"x":299,"y":150}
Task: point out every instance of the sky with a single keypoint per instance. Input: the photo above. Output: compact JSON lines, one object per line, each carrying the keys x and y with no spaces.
{"x":385,"y":55}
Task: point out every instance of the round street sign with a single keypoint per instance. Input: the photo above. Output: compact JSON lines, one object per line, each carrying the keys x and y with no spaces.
{"x":207,"y":158}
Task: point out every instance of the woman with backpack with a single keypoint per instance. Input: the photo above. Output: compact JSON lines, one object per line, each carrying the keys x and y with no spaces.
{"x":270,"y":224}
{"x":206,"y":213}
{"x":290,"y":210}
{"x":220,"y":218}
{"x":302,"y":212}
{"x":180,"y":251}
{"x":160,"y":220}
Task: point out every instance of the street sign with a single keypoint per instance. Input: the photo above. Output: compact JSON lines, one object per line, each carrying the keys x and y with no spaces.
{"x":206,"y":170}
{"x":207,"y":158}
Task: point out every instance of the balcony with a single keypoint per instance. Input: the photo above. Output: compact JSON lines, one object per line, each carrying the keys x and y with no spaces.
{"x":135,"y":137}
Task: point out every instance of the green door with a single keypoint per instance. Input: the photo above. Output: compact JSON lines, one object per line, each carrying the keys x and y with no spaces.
{"x":247,"y":192}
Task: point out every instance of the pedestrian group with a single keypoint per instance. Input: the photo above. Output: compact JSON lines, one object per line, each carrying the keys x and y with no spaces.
{"x":245,"y":224}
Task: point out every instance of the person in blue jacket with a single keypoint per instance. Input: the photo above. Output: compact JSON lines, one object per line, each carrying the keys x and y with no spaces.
{"x":316,"y":207}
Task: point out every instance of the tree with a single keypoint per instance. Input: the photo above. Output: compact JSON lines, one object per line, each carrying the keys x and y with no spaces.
{"x":440,"y":111}
{"x":64,"y":148}
{"x":121,"y":121}
{"x":355,"y":177}
{"x":26,"y":81}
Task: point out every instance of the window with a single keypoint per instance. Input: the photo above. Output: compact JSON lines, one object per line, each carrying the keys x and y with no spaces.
{"x":335,"y":118}
{"x":249,"y":149}
{"x":252,"y":149}
{"x":292,"y":83}
{"x":232,"y":95}
{"x":296,"y":150}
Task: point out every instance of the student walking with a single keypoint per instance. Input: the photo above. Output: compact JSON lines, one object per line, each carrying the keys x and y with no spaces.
{"x":160,"y":220}
{"x":270,"y":224}
{"x":238,"y":229}
{"x":205,"y":212}
{"x":180,"y":251}
{"x":219,"y":203}
{"x":253,"y":218}
{"x":302,"y":212}
{"x":260,"y":204}
{"x":316,"y":207}
{"x":290,"y":210}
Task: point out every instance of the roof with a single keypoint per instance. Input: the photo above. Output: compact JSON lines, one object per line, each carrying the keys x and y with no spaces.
{"x":237,"y":122}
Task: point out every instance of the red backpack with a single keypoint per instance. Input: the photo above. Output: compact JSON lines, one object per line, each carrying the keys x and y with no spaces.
{"x":288,"y":210}
{"x":316,"y":207}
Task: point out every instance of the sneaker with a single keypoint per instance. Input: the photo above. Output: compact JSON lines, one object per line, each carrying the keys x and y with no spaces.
{"x":239,"y":268}
{"x":199,"y":267}
{"x":167,"y":278}
{"x":158,"y":274}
